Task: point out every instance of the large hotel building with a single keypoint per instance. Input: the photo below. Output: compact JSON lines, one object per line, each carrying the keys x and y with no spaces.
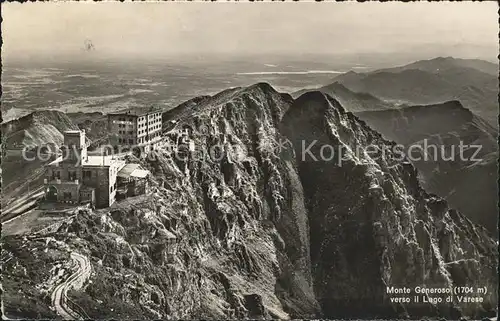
{"x":141,"y":127}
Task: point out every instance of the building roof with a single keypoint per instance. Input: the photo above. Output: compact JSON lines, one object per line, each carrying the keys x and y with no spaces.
{"x":128,"y":169}
{"x":93,"y":160}
{"x":132,"y":170}
{"x":138,"y":111}
{"x":73,"y":131}
{"x":140,"y":173}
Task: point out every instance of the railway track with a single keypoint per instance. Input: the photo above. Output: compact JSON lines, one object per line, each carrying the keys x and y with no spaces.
{"x":76,"y":280}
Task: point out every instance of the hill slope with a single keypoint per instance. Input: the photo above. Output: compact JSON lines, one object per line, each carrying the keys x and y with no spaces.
{"x":36,"y":129}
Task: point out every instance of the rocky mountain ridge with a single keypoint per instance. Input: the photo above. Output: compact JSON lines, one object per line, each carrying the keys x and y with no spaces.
{"x":261,"y":232}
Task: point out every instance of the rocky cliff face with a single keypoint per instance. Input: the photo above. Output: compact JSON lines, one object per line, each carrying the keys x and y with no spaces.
{"x":468,"y":178}
{"x":240,"y":225}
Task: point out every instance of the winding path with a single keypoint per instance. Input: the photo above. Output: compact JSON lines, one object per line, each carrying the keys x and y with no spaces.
{"x":75,"y":281}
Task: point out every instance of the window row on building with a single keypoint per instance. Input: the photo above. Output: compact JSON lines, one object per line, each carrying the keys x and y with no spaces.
{"x":125,"y":141}
{"x":151,"y":128}
{"x":124,"y":132}
{"x":129,"y":120}
{"x":71,"y":175}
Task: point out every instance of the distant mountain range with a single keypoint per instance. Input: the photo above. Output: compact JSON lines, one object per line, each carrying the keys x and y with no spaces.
{"x":441,"y":64}
{"x":473,"y":82}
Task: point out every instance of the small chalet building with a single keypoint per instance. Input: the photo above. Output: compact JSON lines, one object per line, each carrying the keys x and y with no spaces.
{"x":132,"y":181}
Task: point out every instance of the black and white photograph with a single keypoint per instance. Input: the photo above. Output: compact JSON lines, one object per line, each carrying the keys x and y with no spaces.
{"x":267,"y":160}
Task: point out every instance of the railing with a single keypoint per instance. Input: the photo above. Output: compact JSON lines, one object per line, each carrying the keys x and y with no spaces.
{"x":60,"y":181}
{"x":76,"y":308}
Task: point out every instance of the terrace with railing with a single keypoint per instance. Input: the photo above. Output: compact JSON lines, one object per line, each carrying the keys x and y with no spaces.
{"x":52,"y":180}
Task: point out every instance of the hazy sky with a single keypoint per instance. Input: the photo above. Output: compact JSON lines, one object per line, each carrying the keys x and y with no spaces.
{"x":176,"y":28}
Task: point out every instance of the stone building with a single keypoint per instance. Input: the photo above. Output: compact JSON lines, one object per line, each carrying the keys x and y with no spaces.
{"x":135,"y":128}
{"x":76,"y":177}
